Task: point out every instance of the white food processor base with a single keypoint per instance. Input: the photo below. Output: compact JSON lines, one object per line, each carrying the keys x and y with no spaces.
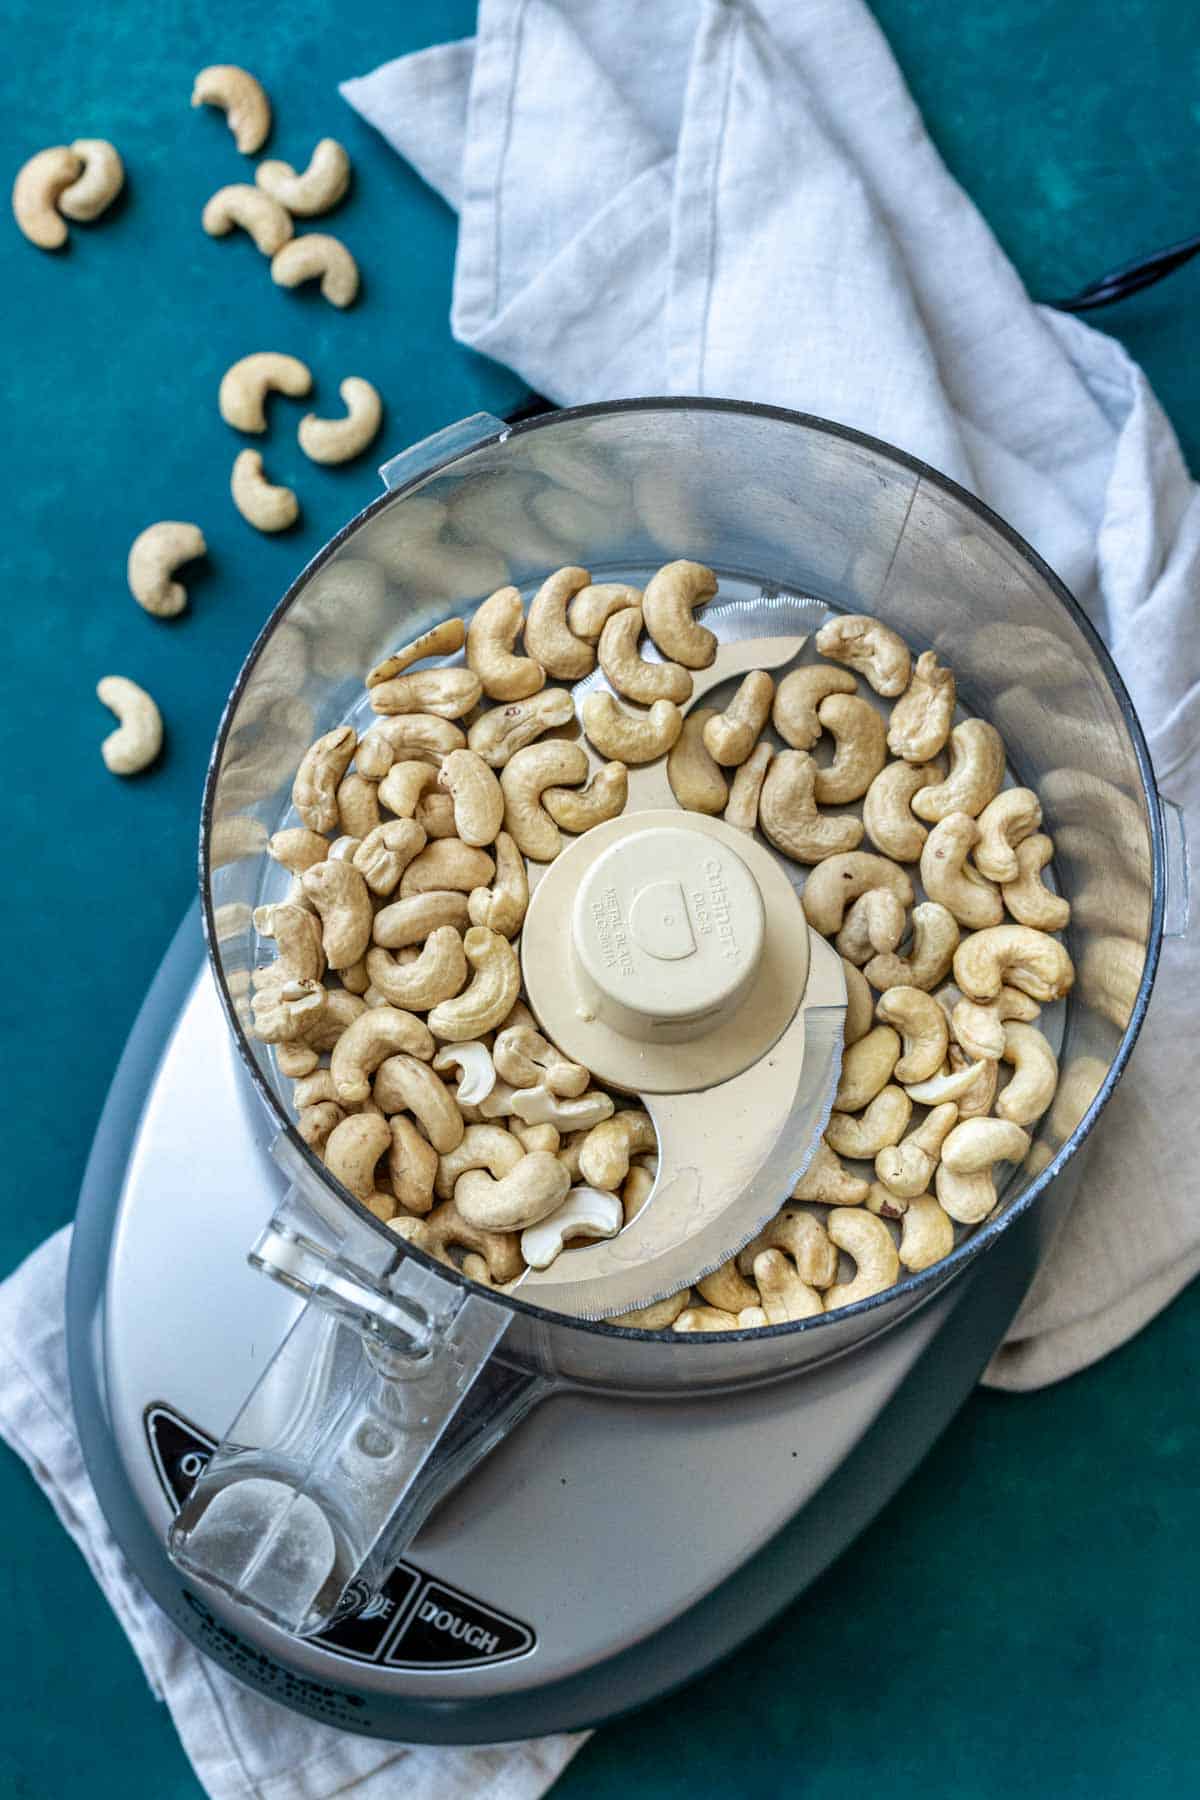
{"x":605,"y":1552}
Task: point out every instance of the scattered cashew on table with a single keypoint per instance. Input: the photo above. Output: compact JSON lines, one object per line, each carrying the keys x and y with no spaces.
{"x":399,"y":1005}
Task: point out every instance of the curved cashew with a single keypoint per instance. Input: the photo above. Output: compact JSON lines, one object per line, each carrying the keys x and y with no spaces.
{"x":785,"y":1296}
{"x":412,"y":1165}
{"x":827,"y":1182}
{"x":745,"y":792}
{"x":340,"y":895}
{"x":538,"y":1106}
{"x":406,"y":1083}
{"x":731,"y":736}
{"x":670,"y":598}
{"x":487,"y":1147}
{"x":956,"y":1084}
{"x":976,"y":771}
{"x":622,"y":737}
{"x":727,"y":1289}
{"x":838,"y":880}
{"x":605,"y":1153}
{"x":314,"y":1123}
{"x":313,"y":254}
{"x":297,"y":935}
{"x":523,"y":779}
{"x":927,"y":1234}
{"x":154,"y":556}
{"x":477,"y":796}
{"x":260,"y":502}
{"x":925,"y":1029}
{"x":437,"y":974}
{"x":287,"y":1009}
{"x":490,"y":638}
{"x":976,"y":1144}
{"x":860,"y":1004}
{"x":260,"y":217}
{"x":439,"y":640}
{"x":446,"y":1228}
{"x":500,"y":733}
{"x":534,"y":1188}
{"x":297,"y":1061}
{"x":523,"y":1057}
{"x":442,"y":693}
{"x":138,"y":738}
{"x":603,"y":798}
{"x":592,"y":608}
{"x":935,"y":937}
{"x":967,"y":1199}
{"x":657,"y":1316}
{"x":358,"y":812}
{"x":316,"y":189}
{"x":584,"y":1215}
{"x":377,"y":1034}
{"x":353,"y":1148}
{"x":638,"y":1187}
{"x":867,"y":1239}
{"x":860,"y":753}
{"x":696,"y":781}
{"x":1004,"y":822}
{"x":950,"y":879}
{"x":297,"y":848}
{"x":1017,"y":954}
{"x":979,"y":1028}
{"x":490,"y":994}
{"x":548,"y":638}
{"x":241,"y":98}
{"x":922,"y":717}
{"x":102,"y":179}
{"x":416,"y":737}
{"x":629,"y":673}
{"x":338,"y":440}
{"x":476,"y":1071}
{"x":788,"y":815}
{"x":803,"y":1238}
{"x":906,"y":1168}
{"x":446,"y":865}
{"x":39,"y":185}
{"x":404,"y":784}
{"x":867,"y":1068}
{"x":335,"y":1010}
{"x":862,"y":1136}
{"x":887,"y":809}
{"x":1035,"y":1075}
{"x":386,"y":852}
{"x":875,"y":650}
{"x":873,"y":926}
{"x":794,"y":714}
{"x":708,"y":1318}
{"x":1029,"y":902}
{"x":245,"y":385}
{"x":501,"y":907}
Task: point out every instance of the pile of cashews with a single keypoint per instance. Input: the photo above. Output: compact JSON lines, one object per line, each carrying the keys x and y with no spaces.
{"x":394,"y":999}
{"x":80,"y":181}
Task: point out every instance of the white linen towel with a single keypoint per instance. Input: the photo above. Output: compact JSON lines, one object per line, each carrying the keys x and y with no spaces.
{"x":705,"y":198}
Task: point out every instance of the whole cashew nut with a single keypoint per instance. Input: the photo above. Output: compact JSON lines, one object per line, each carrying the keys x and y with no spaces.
{"x":532,"y":1190}
{"x":490,"y":638}
{"x":297,"y":935}
{"x":406,"y":1083}
{"x":1029,"y":902}
{"x":979,"y":1027}
{"x":606,"y":1151}
{"x":317,"y":254}
{"x":500,"y":733}
{"x":730,"y":736}
{"x":538,"y":1106}
{"x":404,"y":784}
{"x":386,"y":852}
{"x":340,"y":895}
{"x":860,"y":1004}
{"x":867,"y":1239}
{"x":925,"y":1029}
{"x":976,"y":1144}
{"x":376,"y":1035}
{"x":523,"y":779}
{"x":875,"y":650}
{"x":245,"y":385}
{"x":621,"y":737}
{"x":592,"y":608}
{"x":727,"y":1289}
{"x":487,"y":1147}
{"x":412,"y":1165}
{"x":603,"y":798}
{"x":490,"y":994}
{"x":439,"y":640}
{"x":154,"y":556}
{"x":549,"y":638}
{"x":338,"y":440}
{"x":437,"y":974}
{"x":922,"y":717}
{"x":1035,"y":1075}
{"x":102,"y":179}
{"x":935,"y":937}
{"x":967,"y":1199}
{"x":501,"y":907}
{"x":861,"y":749}
{"x":696,"y":780}
{"x":297,"y":848}
{"x":887,"y":809}
{"x":838,"y":880}
{"x":927,"y":1234}
{"x":477,"y":796}
{"x":803,"y":1238}
{"x":324,"y":763}
{"x":138,"y":738}
{"x":828,"y":1183}
{"x":794,"y":714}
{"x":867,"y":1068}
{"x":316,"y":189}
{"x":446,"y":864}
{"x":1004,"y":823}
{"x":873,"y":926}
{"x":658,"y":1316}
{"x":410,"y":921}
{"x":523,"y":1057}
{"x":784,"y":1294}
{"x":745,"y":791}
{"x":358,"y":813}
{"x":1017,"y":955}
{"x":354,"y":1147}
{"x":39,"y":186}
{"x":441,"y":693}
{"x":863,"y":1135}
{"x":957,"y":1084}
{"x":260,"y":217}
{"x":260,"y":502}
{"x":585,"y":1214}
{"x":788,"y":815}
{"x":241,"y":98}
{"x":405,"y":737}
{"x":445,"y":1228}
{"x":476,"y":1071}
{"x":670,"y":598}
{"x":949,"y":877}
{"x":629,"y":673}
{"x":906,"y":1168}
{"x":976,"y":772}
{"x":314,"y":1123}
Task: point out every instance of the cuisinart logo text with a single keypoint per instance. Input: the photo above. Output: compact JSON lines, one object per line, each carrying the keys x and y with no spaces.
{"x":713,"y":912}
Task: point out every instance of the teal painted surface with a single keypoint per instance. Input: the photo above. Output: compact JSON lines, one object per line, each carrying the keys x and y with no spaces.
{"x":1021,"y":1624}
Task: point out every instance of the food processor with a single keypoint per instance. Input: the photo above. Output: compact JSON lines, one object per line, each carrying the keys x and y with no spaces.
{"x":425,"y":1509}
